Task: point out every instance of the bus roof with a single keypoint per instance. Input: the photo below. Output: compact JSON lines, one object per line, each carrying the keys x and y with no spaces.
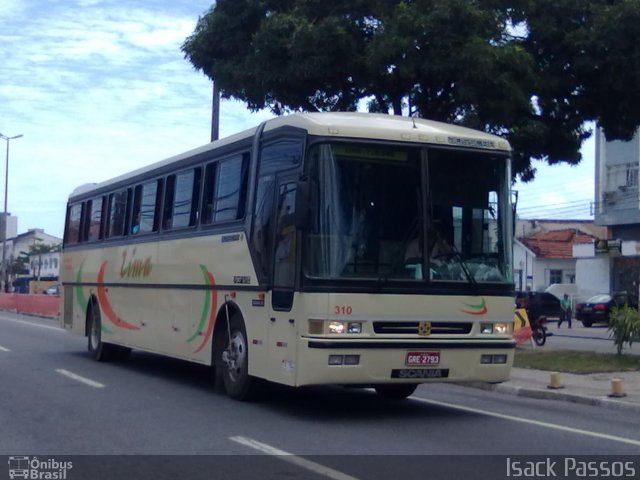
{"x":374,"y":126}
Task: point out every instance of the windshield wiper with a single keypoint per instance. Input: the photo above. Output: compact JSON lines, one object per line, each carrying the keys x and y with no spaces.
{"x":465,"y":268}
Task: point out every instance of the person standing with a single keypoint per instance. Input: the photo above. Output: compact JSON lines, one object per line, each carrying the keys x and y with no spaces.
{"x":565,"y":304}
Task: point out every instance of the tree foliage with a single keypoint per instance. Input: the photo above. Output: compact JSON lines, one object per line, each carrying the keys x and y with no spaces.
{"x":533,"y":71}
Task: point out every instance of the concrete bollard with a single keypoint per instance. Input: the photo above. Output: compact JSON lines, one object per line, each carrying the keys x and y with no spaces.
{"x":554,"y":381}
{"x":616,"y":388}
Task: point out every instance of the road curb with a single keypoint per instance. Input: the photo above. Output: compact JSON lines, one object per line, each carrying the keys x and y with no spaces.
{"x":613,"y":404}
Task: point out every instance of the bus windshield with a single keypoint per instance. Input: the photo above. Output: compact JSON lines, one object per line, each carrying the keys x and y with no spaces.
{"x":422,"y":214}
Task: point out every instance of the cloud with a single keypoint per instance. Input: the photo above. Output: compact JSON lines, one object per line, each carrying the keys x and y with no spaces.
{"x":98,"y":88}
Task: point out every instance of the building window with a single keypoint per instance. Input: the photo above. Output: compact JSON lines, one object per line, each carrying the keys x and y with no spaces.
{"x":555,"y":276}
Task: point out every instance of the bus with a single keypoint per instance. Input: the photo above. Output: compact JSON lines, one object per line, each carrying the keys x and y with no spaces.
{"x":342,"y":248}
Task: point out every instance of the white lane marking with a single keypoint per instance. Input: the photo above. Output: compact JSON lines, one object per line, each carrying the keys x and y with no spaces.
{"x":79,"y":378}
{"x":57,"y":329}
{"x":4,"y":349}
{"x":291,"y":458}
{"x":538,"y":423}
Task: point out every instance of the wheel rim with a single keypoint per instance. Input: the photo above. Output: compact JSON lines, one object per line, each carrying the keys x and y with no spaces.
{"x":237,"y":358}
{"x":95,"y":333}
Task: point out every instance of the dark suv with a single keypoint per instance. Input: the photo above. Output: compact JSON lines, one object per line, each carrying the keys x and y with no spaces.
{"x":539,"y":304}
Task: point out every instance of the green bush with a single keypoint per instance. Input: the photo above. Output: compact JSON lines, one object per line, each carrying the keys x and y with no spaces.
{"x":624,"y":326}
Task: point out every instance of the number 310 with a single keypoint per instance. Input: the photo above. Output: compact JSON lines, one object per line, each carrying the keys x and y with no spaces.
{"x":343,"y":310}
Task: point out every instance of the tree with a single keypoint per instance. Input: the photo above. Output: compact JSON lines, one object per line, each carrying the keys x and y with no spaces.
{"x":533,"y":71}
{"x":35,"y":253}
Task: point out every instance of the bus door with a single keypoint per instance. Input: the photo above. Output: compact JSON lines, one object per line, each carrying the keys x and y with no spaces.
{"x":282,"y":327}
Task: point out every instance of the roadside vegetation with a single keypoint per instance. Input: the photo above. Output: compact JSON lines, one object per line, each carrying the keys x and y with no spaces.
{"x":569,"y":361}
{"x":624,"y":326}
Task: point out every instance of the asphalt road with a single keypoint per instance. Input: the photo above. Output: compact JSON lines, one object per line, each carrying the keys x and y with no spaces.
{"x":55,"y":400}
{"x":595,"y":338}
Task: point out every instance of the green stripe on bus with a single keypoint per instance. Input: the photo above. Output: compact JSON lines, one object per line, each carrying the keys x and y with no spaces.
{"x":205,"y":307}
{"x":82,"y":301}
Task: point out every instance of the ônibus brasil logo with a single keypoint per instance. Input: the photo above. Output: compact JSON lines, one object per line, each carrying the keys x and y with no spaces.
{"x":37,"y":469}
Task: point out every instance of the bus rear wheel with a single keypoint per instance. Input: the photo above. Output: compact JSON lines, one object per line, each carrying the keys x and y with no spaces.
{"x":395,"y":392}
{"x":100,"y":351}
{"x":234,"y":363}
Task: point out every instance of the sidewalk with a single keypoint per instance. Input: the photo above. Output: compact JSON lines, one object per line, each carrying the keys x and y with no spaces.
{"x":588,"y":389}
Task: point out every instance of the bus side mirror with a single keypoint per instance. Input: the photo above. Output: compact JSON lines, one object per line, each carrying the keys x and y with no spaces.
{"x":303,"y":213}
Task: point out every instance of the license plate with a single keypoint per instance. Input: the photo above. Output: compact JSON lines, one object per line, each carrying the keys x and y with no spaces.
{"x":586,"y":309}
{"x":422,"y":358}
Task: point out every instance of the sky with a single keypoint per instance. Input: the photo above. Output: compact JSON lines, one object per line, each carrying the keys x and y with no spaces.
{"x":98,"y":88}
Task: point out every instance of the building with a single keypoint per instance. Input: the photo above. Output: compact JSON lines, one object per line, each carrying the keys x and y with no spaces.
{"x":545,"y":257}
{"x":8,"y":225}
{"x":40,"y":263}
{"x":618,"y":208}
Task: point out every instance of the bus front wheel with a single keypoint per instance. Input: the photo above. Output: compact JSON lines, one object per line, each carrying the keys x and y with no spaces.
{"x":234,"y":363}
{"x":100,"y":351}
{"x":395,"y":392}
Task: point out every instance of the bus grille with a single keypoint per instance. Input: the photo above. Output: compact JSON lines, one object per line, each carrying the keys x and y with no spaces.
{"x":411,"y":328}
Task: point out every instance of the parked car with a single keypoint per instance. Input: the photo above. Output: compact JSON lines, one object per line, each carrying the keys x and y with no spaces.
{"x":53,"y":290}
{"x":539,"y":304}
{"x":598,"y":308}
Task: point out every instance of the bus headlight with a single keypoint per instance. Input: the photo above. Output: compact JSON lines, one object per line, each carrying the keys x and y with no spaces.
{"x":486,"y":328}
{"x":501,"y":328}
{"x":336,"y":327}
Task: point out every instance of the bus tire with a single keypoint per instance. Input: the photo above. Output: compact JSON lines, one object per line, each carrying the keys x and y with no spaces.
{"x":100,"y":351}
{"x":234,"y":363}
{"x":396,"y":392}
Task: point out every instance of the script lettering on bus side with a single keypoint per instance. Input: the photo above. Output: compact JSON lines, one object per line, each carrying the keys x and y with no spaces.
{"x":135,"y":267}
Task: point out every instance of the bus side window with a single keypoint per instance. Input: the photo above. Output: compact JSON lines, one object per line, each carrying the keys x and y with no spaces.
{"x":208,"y":197}
{"x":146,"y":202}
{"x":274,"y":157}
{"x":285,"y":248}
{"x":181,"y":199}
{"x":228,"y":190}
{"x":74,"y":216}
{"x":117,"y":214}
{"x":94,"y":229}
{"x":225,"y":190}
{"x":86,"y":220}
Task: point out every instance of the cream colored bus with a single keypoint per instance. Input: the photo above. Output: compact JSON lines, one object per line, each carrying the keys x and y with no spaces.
{"x":320,"y":248}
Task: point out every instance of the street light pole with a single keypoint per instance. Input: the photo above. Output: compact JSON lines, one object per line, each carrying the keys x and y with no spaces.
{"x":5,"y":276}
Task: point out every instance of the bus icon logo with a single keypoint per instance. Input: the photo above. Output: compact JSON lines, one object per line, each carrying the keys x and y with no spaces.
{"x":18,"y":467}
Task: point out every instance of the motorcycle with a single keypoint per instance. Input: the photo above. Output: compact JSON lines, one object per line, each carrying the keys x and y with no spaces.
{"x":539,"y":330}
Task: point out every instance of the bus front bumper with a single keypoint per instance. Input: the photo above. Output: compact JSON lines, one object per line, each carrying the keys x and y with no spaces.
{"x":372,"y":362}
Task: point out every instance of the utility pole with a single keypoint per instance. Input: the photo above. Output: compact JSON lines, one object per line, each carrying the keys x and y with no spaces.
{"x":215,"y":113}
{"x":5,"y":273}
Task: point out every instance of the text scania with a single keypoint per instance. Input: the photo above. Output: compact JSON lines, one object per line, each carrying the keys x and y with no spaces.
{"x":135,"y":267}
{"x":49,"y":469}
{"x":570,"y":466}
